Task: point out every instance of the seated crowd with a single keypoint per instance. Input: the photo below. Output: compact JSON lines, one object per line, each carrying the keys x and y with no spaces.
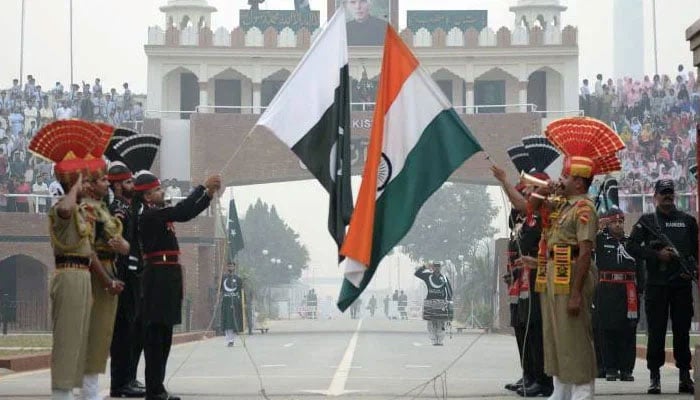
{"x":24,"y":110}
{"x":656,"y":118}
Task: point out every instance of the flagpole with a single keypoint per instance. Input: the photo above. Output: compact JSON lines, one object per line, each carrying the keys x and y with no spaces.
{"x":21,"y":48}
{"x":71,"y":42}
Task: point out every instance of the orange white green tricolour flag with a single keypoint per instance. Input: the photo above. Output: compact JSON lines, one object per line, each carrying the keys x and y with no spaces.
{"x":416,"y":142}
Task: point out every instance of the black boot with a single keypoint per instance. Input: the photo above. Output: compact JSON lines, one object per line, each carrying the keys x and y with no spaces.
{"x":685,"y":384}
{"x":655,"y":384}
{"x":514,"y":386}
{"x":534,"y":390}
{"x":626,"y":376}
{"x":611,"y":375}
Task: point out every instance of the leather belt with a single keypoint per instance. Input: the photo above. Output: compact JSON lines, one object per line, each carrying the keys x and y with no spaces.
{"x":163,"y":260}
{"x":72,"y":266}
{"x":106,"y":255}
{"x":66,"y":259}
{"x":621,"y":277}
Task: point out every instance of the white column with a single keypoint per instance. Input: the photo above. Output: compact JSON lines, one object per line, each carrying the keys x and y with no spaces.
{"x":256,"y":97}
{"x":204,"y":97}
{"x":522,"y":96}
{"x":469,"y":86}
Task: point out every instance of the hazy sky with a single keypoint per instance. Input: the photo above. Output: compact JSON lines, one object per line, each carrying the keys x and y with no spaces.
{"x":108,"y":43}
{"x":109,"y":35}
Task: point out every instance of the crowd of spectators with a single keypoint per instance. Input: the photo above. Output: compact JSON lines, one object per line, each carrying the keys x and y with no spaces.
{"x":24,"y":110}
{"x":656,"y":118}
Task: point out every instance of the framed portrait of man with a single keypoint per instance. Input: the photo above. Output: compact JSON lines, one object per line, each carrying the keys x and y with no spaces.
{"x":366,"y":20}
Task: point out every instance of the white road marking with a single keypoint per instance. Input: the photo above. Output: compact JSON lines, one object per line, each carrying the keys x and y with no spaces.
{"x":337,"y":387}
{"x":273,"y":365}
{"x":351,"y":367}
{"x":418,"y":366}
{"x":417,"y":344}
{"x":288,"y":345}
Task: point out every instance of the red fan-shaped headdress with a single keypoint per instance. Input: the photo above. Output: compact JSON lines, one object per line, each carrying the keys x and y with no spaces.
{"x":590,"y":146}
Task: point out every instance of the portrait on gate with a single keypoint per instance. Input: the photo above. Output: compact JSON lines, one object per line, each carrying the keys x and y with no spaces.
{"x":366,"y":21}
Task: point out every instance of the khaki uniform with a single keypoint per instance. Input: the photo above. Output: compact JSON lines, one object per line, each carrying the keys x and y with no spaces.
{"x":568,"y":341}
{"x":104,"y":307}
{"x":71,"y":298}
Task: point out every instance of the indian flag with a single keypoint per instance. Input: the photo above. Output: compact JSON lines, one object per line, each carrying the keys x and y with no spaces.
{"x":417,"y":141}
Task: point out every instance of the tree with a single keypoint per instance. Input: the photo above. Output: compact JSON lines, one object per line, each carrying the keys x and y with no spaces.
{"x":273,"y":254}
{"x":452,"y":222}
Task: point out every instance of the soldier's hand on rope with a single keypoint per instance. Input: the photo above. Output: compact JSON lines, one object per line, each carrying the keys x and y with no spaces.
{"x":119,"y":245}
{"x":499,"y":174}
{"x":574,"y":305}
{"x":213,"y":184}
{"x":115,"y":287}
{"x":526,"y":261}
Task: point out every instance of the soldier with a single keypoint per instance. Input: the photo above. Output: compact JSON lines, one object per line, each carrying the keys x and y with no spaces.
{"x":231,"y":306}
{"x":667,"y":240}
{"x":129,"y":151}
{"x":72,"y":236}
{"x":162,"y":276}
{"x":616,"y":298}
{"x":108,"y":243}
{"x":437,"y":306}
{"x":127,"y":339}
{"x":564,"y":278}
{"x":526,"y":231}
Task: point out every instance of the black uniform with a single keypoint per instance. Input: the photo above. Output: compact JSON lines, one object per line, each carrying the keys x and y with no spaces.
{"x":666,"y":290}
{"x":528,"y":321}
{"x":231,"y":305}
{"x":162,"y":281}
{"x":127,"y":340}
{"x":617,"y":303}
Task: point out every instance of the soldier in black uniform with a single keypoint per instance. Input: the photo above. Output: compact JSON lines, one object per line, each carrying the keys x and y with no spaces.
{"x":231,"y":305}
{"x":162,"y":275}
{"x":617,"y":298}
{"x":129,"y":151}
{"x":526,"y":232}
{"x":127,"y":340}
{"x":669,"y":285}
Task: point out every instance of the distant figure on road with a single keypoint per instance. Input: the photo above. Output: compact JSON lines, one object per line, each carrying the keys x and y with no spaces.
{"x":437,"y":306}
{"x":312,"y":303}
{"x":386,"y":306}
{"x":372,"y":305}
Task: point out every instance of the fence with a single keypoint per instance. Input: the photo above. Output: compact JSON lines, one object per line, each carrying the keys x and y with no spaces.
{"x":25,"y":316}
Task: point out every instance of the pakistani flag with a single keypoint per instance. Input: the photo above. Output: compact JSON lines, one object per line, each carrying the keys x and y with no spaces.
{"x":235,"y":236}
{"x":417,"y":141}
{"x":311,"y":114}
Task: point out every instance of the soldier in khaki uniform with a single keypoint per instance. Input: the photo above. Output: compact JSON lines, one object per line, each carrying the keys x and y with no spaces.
{"x":564,"y":276}
{"x":72,"y":235}
{"x":108,"y":242}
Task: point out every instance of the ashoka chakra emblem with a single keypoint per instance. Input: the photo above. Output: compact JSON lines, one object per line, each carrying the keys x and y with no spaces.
{"x":384,"y":172}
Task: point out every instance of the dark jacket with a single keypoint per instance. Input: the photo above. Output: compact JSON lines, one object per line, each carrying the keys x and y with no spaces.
{"x":681,"y":229}
{"x":162,"y":283}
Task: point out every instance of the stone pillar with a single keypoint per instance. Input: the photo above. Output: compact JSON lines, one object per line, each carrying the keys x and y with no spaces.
{"x":469,"y":98}
{"x":256,"y":97}
{"x":522,"y":96}
{"x":203,"y":97}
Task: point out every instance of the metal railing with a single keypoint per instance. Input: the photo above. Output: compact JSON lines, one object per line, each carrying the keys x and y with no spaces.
{"x":369,"y":106}
{"x":25,"y":316}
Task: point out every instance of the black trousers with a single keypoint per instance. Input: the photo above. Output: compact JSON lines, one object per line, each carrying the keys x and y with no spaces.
{"x":619,"y":348}
{"x":120,"y":352}
{"x":156,"y":349}
{"x":660,"y":303}
{"x":520,"y":339}
{"x":534,"y":354}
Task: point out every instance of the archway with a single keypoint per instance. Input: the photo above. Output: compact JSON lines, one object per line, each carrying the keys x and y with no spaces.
{"x":271,"y":85}
{"x":24,"y":299}
{"x":493,"y":89}
{"x":545,"y":89}
{"x":452,"y":86}
{"x":180,"y":91}
{"x":232,"y":92}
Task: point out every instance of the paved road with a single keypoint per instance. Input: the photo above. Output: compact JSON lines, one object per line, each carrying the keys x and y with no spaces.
{"x":368,"y":359}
